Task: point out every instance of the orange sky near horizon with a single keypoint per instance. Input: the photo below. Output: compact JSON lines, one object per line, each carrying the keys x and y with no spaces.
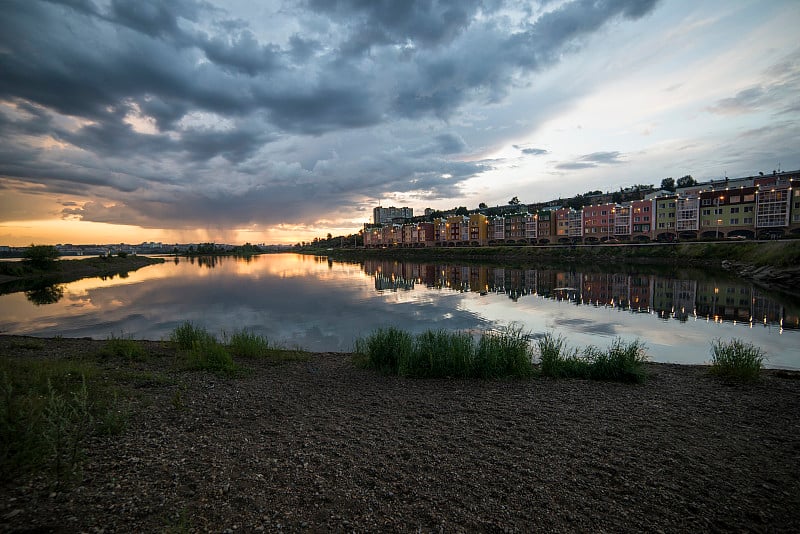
{"x":77,"y":232}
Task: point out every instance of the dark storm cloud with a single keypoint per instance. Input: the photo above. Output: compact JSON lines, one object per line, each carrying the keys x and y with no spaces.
{"x":181,"y":101}
{"x":427,"y":22}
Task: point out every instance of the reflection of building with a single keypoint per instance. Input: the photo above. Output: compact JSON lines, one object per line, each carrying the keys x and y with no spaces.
{"x":667,"y":297}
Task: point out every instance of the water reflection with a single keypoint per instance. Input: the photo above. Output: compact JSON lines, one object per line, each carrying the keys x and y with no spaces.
{"x":45,"y":294}
{"x":324,"y":305}
{"x":667,"y":298}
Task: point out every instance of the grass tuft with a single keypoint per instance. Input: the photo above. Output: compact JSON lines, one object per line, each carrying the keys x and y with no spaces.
{"x":187,"y":335}
{"x":736,"y":359}
{"x":438,"y":353}
{"x":248,"y":345}
{"x":124,"y":347}
{"x":384,"y":349}
{"x":621,"y":362}
{"x":201,"y":350}
{"x":48,"y":410}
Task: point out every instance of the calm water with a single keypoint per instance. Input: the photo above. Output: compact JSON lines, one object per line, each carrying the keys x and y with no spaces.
{"x":324,"y":305}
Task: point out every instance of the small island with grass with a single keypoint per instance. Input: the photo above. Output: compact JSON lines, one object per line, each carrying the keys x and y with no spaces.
{"x":42,"y":267}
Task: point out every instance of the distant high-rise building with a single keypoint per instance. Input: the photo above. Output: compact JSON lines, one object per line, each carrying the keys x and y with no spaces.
{"x":382,"y":215}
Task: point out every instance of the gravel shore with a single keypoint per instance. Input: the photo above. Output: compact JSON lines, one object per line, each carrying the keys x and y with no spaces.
{"x":321,"y":445}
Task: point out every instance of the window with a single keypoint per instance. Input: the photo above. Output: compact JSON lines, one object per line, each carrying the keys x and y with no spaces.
{"x":662,"y":205}
{"x":747,"y":220}
{"x":706,"y":212}
{"x":734,"y":210}
{"x":672,"y":215}
{"x":647,"y":218}
{"x":647,"y":208}
{"x":636,"y":219}
{"x":717,"y":211}
{"x":748,"y":209}
{"x":735,"y":199}
{"x":706,"y":202}
{"x":750,"y":198}
{"x":735,"y":221}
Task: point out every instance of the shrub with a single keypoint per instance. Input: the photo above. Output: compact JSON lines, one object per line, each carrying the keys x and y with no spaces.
{"x":41,"y":256}
{"x":736,"y":359}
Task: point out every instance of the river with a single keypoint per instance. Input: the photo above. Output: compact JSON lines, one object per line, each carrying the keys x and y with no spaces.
{"x":318,"y":304}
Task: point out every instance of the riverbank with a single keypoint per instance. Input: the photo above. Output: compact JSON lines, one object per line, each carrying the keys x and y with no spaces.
{"x":16,"y":276}
{"x":323,"y":445}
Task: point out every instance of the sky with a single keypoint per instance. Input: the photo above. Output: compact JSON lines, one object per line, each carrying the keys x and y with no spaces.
{"x":280,"y":121}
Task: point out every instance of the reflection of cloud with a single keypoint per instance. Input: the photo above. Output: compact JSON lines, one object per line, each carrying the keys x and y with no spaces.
{"x":302,"y":302}
{"x":588,"y":326}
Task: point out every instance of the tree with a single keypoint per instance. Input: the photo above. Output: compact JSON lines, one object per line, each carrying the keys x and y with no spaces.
{"x":41,"y":256}
{"x":482,"y":206}
{"x":462,"y":210}
{"x":329,"y":236}
{"x":513,"y":202}
{"x":668,"y":184}
{"x":686,"y":181}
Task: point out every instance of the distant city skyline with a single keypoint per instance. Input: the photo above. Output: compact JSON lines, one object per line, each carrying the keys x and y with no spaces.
{"x":280,"y":121}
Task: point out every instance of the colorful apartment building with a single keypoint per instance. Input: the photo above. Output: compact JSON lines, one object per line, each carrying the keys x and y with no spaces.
{"x":752,"y":207}
{"x":598,"y":223}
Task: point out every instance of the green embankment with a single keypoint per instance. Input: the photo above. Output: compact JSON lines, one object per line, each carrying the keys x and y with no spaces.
{"x":778,"y":254}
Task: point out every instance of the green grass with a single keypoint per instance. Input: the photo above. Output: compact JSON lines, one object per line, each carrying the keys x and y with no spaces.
{"x":621,"y":362}
{"x":438,"y":353}
{"x":187,"y":335}
{"x":736,"y":359}
{"x":48,"y":410}
{"x":202,"y":350}
{"x":248,"y":345}
{"x":506,"y":353}
{"x":557,"y":361}
{"x":124,"y":347}
{"x":384,"y":349}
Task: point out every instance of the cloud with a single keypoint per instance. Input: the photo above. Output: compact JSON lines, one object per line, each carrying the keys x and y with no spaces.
{"x":592,"y":160}
{"x":184,"y":114}
{"x":779,"y":92}
{"x":531,"y":151}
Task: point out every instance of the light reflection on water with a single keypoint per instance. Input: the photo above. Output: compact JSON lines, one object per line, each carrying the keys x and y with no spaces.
{"x":324,"y":305}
